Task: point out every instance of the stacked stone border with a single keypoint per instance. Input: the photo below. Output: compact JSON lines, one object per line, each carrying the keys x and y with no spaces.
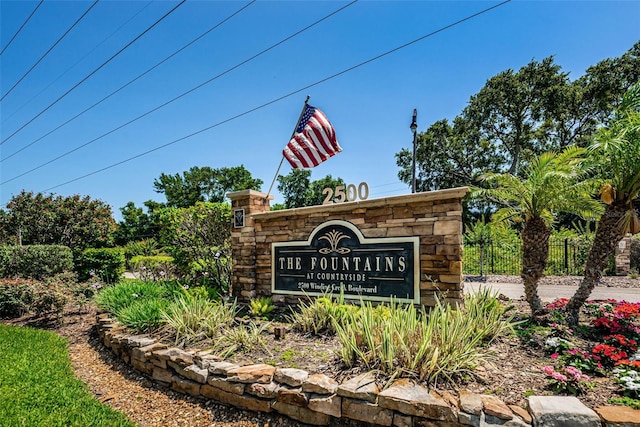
{"x":317,"y":399}
{"x":434,"y":216}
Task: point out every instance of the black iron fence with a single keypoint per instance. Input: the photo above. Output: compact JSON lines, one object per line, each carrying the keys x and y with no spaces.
{"x":566,"y":257}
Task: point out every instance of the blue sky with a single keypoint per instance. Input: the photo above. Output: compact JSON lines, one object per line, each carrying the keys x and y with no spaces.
{"x":370,"y":106}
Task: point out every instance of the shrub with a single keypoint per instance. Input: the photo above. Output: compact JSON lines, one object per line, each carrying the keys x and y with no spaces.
{"x":192,"y":319}
{"x":199,"y":239}
{"x":148,"y":247}
{"x":105,"y":263}
{"x":156,"y":267}
{"x":320,"y":315}
{"x":115,"y":298}
{"x":48,"y":299}
{"x":15,"y":298}
{"x":144,"y":315}
{"x":635,"y":253}
{"x":34,"y":261}
{"x":443,"y":343}
{"x":261,"y":307}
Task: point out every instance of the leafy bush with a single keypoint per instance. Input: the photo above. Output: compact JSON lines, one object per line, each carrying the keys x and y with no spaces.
{"x":199,"y":240}
{"x":320,"y":315}
{"x":144,"y":315}
{"x":148,"y":247}
{"x":115,"y":298}
{"x":443,"y":343}
{"x":35,"y":261}
{"x":261,"y":307}
{"x":155,"y":267}
{"x":15,"y":298}
{"x":635,"y":253}
{"x":241,"y":337}
{"x":105,"y":263}
{"x":191,"y":319}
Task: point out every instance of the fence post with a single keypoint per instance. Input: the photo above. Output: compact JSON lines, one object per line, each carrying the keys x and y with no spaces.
{"x":566,"y":256}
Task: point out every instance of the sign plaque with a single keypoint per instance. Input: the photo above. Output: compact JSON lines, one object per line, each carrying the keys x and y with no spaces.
{"x":337,"y":257}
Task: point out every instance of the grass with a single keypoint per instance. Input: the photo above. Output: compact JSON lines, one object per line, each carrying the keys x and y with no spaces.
{"x":38,"y":387}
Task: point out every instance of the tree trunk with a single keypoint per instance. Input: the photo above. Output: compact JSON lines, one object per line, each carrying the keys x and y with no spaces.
{"x":608,"y":235}
{"x":535,"y":251}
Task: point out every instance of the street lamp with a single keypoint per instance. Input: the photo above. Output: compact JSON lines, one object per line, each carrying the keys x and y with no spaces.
{"x":414,"y":127}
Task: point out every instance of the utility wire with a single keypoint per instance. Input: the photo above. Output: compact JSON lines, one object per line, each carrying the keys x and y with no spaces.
{"x":78,"y":61}
{"x":177,"y":97}
{"x":113,"y":93}
{"x":273,"y":101}
{"x":22,"y":26}
{"x":50,"y":49}
{"x":93,"y":72}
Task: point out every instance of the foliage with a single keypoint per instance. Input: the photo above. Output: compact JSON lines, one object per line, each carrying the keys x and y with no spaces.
{"x":516,"y":116}
{"x":319,"y":316}
{"x":204,"y":184}
{"x":241,"y":337}
{"x":158,"y":267}
{"x":35,"y":261}
{"x":44,"y":391}
{"x":136,"y":225}
{"x":192,"y":319}
{"x":74,"y":221}
{"x":567,"y":379}
{"x":15,"y":298}
{"x":261,"y":307}
{"x":635,"y":254}
{"x":199,"y":240}
{"x":443,"y":343}
{"x":144,"y":315}
{"x":615,"y":155}
{"x":551,"y":182}
{"x":147,"y":247}
{"x":114,"y":298}
{"x":105,"y":263}
{"x":299,"y":190}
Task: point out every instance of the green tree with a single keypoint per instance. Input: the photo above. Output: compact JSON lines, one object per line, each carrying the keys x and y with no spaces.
{"x":199,"y":240}
{"x":135,"y":225}
{"x":73,"y":221}
{"x":551,"y":182}
{"x":204,"y":184}
{"x":615,"y":153}
{"x":516,"y":116}
{"x":299,"y":190}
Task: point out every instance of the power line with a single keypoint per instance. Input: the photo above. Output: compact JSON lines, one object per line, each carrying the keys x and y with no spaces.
{"x":94,"y":71}
{"x":22,"y":26}
{"x":77,"y":62}
{"x":50,"y":49}
{"x":177,"y":97}
{"x":273,"y":101}
{"x":113,"y":93}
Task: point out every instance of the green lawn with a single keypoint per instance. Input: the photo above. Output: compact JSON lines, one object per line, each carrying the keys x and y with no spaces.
{"x":38,"y":387}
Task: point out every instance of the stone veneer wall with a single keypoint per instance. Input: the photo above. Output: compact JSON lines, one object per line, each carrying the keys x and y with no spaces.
{"x":436,"y":217}
{"x":319,"y":400}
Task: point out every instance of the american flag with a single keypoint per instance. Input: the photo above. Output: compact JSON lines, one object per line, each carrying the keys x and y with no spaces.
{"x":313,"y":142}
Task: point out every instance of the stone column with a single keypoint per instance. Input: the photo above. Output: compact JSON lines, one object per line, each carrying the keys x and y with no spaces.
{"x":243,"y":240}
{"x":623,"y":256}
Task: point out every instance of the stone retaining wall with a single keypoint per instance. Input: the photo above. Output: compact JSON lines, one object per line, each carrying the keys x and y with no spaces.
{"x":319,"y":400}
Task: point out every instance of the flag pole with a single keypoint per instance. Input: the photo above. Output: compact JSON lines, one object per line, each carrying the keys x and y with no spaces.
{"x":292,"y":135}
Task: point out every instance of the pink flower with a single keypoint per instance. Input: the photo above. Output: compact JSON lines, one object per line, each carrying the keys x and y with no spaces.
{"x":554,"y":356}
{"x":558,"y":376}
{"x":548,"y":370}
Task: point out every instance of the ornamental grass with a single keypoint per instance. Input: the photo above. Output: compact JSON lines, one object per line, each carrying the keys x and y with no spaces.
{"x":402,"y":341}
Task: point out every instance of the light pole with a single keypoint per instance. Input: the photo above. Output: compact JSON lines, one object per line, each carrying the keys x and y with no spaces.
{"x":414,"y":127}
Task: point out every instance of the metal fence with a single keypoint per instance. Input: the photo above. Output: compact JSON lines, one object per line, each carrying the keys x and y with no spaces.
{"x":566,"y":257}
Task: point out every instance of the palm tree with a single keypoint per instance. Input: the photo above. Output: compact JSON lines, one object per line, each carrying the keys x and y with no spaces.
{"x":551,"y":183}
{"x":615,"y":152}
